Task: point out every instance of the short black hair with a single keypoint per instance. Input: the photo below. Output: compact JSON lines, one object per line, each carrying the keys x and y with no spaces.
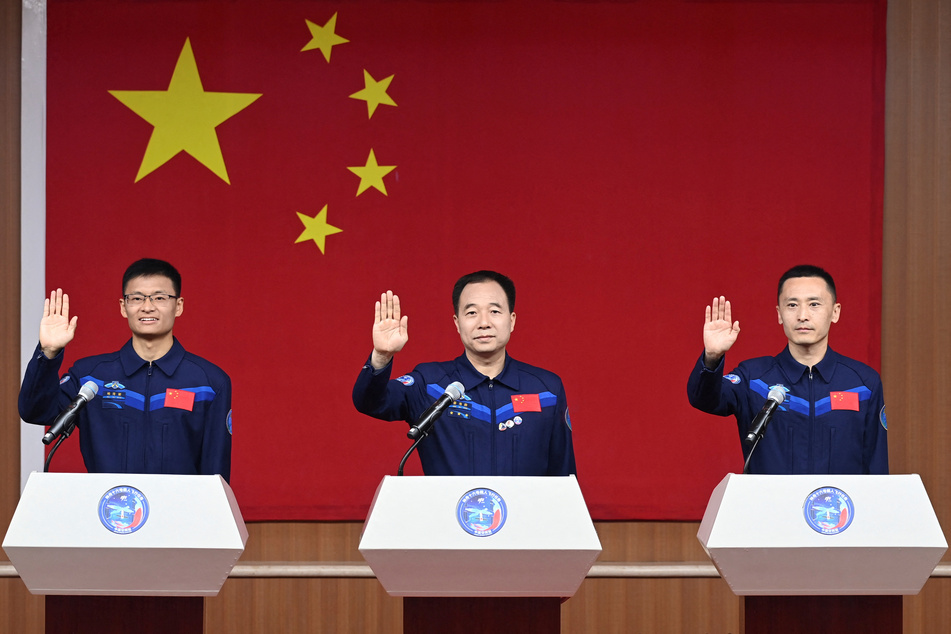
{"x":806,"y":270}
{"x":149,"y":266}
{"x":484,"y":276}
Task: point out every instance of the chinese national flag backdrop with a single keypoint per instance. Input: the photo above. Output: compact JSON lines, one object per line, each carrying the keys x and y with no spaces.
{"x":622,"y":162}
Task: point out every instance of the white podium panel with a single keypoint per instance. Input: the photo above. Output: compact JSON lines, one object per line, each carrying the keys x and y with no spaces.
{"x":125,"y":534}
{"x":416,"y":544}
{"x":769,"y":535}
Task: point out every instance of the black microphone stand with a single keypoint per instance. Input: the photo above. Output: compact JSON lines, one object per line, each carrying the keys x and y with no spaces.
{"x":59,"y":441}
{"x":399,"y":472}
{"x":746,"y":465}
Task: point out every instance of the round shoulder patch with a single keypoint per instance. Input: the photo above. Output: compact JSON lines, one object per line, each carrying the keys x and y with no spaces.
{"x":123,"y":510}
{"x":481,"y":512}
{"x":406,"y":380}
{"x":732,"y":378}
{"x":828,"y":510}
{"x":881,"y":417}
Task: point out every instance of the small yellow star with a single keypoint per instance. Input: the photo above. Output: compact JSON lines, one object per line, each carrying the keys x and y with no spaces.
{"x":371,"y":174}
{"x":316,"y":228}
{"x":374,"y":93}
{"x":324,"y":37}
{"x":184,"y":117}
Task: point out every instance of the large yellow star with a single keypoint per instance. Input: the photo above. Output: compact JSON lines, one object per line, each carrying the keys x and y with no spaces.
{"x":185,"y":117}
{"x":323,"y":37}
{"x":371,"y":174}
{"x":374,"y":93}
{"x":316,"y":228}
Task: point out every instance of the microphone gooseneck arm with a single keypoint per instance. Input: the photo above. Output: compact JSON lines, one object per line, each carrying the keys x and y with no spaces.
{"x":746,"y":465}
{"x":409,"y":451}
{"x":49,"y":456}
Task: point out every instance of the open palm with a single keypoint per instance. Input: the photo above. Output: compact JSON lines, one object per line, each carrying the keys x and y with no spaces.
{"x":390,"y":331}
{"x":719,"y":329}
{"x":56,"y":327}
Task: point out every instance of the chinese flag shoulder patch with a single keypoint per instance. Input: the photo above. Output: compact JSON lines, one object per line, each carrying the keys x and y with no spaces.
{"x":844,"y":400}
{"x":526,"y":403}
{"x":180,"y":399}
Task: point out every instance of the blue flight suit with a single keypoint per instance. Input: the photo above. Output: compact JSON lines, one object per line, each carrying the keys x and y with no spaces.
{"x":133,"y":425}
{"x":819,"y":428}
{"x":516,"y":424}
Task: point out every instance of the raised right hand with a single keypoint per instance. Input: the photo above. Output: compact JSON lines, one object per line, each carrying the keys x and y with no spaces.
{"x":390,"y":332}
{"x":719,"y":331}
{"x":56,"y":328}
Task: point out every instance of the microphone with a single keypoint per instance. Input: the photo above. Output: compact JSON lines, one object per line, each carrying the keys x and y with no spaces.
{"x":773,"y":400}
{"x":421,"y":428}
{"x":65,"y":421}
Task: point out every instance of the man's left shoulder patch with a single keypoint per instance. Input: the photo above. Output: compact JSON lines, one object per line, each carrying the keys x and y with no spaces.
{"x":406,"y":380}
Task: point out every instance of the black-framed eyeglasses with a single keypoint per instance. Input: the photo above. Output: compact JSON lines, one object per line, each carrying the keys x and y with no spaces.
{"x":158,"y":299}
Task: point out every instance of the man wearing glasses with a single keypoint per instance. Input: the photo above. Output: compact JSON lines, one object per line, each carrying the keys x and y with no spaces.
{"x":159,"y":408}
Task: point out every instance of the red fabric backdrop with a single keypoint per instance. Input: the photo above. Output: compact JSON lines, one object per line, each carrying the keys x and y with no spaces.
{"x":622,"y":162}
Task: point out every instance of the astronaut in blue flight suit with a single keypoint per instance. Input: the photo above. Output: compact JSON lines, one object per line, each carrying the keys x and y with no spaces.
{"x":833,"y":417}
{"x":513,"y":418}
{"x":158,"y":409}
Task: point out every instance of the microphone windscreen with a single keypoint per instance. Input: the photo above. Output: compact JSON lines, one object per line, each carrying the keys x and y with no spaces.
{"x":456,"y":390}
{"x":88,"y":390}
{"x":777,"y":394}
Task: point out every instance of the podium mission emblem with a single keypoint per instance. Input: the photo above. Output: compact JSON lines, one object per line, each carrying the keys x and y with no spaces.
{"x":829,"y":510}
{"x":481,"y":512}
{"x":123,"y":510}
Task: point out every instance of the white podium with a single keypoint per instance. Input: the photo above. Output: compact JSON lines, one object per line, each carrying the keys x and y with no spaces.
{"x":475,"y":537}
{"x":124,"y":535}
{"x":823,"y":536}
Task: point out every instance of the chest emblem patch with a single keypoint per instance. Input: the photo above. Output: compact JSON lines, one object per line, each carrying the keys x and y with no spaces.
{"x":113,"y":396}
